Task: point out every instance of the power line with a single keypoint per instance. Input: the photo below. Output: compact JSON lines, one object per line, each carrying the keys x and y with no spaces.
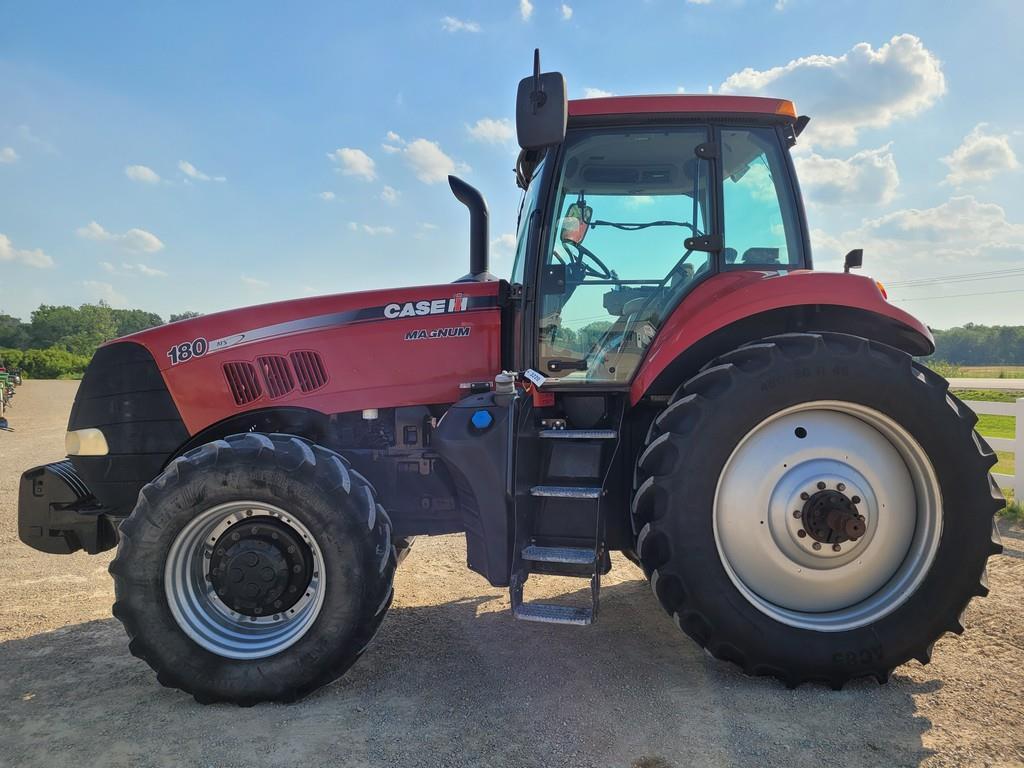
{"x":964,"y":277}
{"x":956,"y":295}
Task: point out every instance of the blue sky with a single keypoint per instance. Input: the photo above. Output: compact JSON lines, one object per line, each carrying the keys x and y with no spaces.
{"x":175,"y":156}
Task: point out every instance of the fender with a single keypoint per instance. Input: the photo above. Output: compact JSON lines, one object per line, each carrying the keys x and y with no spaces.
{"x":734,"y":307}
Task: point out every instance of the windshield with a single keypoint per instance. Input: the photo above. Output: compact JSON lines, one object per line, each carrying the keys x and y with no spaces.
{"x":628,"y":205}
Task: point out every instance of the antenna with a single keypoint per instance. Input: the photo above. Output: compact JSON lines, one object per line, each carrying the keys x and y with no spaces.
{"x":538,"y":97}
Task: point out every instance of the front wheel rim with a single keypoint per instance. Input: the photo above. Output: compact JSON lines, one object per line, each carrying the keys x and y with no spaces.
{"x":806,"y":467}
{"x":204,"y":616}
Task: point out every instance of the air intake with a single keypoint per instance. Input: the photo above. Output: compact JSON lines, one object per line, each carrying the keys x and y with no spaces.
{"x":309,"y":370}
{"x":276,"y":374}
{"x":242,"y":382}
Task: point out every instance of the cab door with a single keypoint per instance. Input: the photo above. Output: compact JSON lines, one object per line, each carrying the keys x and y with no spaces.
{"x":632,"y":232}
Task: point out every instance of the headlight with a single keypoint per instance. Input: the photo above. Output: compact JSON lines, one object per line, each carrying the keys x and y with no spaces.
{"x":86,"y":442}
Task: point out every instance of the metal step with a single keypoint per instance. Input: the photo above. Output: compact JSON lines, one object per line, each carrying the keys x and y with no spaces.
{"x":579,"y":434}
{"x":554,"y":614}
{"x":571,"y":555}
{"x":566,"y":491}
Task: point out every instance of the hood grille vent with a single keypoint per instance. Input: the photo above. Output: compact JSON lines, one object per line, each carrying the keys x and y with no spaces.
{"x":276,"y":374}
{"x":309,"y":369}
{"x":242,"y":382}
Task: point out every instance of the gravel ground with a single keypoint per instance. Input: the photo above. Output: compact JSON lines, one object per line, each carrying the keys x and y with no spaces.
{"x":452,"y":681}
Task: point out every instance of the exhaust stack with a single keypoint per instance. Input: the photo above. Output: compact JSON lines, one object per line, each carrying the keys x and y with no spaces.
{"x":470,"y":197}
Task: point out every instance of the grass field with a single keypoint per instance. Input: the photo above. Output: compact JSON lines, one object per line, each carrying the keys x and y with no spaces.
{"x":998,"y":426}
{"x":992,"y":371}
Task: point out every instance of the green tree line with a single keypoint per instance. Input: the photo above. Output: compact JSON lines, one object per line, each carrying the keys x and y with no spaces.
{"x":981,"y":345}
{"x":58,"y":341}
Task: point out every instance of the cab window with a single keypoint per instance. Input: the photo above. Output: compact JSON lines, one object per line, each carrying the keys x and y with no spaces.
{"x":760,"y":217}
{"x":527,"y":208}
{"x":620,"y":255}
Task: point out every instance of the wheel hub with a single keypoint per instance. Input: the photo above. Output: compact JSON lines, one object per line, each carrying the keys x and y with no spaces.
{"x":831,"y":517}
{"x":260,"y":566}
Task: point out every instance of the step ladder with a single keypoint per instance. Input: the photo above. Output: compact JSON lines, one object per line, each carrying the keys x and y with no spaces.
{"x":578,"y":561}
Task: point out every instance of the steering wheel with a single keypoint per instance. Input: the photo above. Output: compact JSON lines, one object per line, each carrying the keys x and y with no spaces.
{"x":580,"y":257}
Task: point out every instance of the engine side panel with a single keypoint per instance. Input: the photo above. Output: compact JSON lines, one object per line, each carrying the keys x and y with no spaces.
{"x":375,"y":349}
{"x":737,"y":296}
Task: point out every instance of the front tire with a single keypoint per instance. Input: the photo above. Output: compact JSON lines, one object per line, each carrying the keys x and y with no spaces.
{"x":255,"y":568}
{"x":816,"y":507}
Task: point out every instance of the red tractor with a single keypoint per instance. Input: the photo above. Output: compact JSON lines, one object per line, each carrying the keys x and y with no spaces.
{"x":663,"y":375}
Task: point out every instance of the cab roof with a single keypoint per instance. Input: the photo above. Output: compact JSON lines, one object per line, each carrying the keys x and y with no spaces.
{"x":697,"y":104}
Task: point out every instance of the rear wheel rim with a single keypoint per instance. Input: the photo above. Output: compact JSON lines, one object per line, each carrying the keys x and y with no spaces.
{"x":827,"y":516}
{"x":254,"y":631}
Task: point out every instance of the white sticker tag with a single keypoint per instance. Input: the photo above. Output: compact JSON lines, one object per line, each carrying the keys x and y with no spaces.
{"x":538,"y":379}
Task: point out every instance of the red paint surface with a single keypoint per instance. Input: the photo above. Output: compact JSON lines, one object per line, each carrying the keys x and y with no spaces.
{"x":369,"y":364}
{"x":699,"y":104}
{"x":731,"y":296}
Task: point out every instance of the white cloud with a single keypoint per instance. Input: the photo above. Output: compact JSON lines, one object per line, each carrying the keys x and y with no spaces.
{"x":566,"y":12}
{"x":8,"y":155}
{"x":254,"y":282}
{"x":429,"y":162}
{"x":596,"y":93}
{"x":394,"y":137}
{"x":390,"y":149}
{"x":425,"y":227}
{"x":681,"y":89}
{"x":370,"y":229}
{"x":980,"y":157}
{"x":699,"y":2}
{"x":133,"y":240}
{"x":105,"y":292}
{"x":504,"y":245}
{"x":354,"y":162}
{"x":864,"y":88}
{"x":960,"y":231}
{"x":148,"y":271}
{"x":27,"y":135}
{"x":126,"y":268}
{"x":390,"y":195}
{"x":525,"y":9}
{"x":34,"y":258}
{"x":870,"y":176}
{"x":491,"y":130}
{"x":194,"y":173}
{"x":452,"y":24}
{"x":142,"y":173}
{"x":328,"y":195}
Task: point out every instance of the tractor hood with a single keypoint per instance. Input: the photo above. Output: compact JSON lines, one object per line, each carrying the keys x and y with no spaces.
{"x":344,"y":352}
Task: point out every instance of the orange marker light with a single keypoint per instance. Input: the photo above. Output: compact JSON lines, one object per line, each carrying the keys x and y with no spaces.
{"x":881,"y":289}
{"x":786,"y":108}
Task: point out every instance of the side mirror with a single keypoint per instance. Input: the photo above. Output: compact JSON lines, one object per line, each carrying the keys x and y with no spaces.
{"x":854,"y":259}
{"x":542,"y":108}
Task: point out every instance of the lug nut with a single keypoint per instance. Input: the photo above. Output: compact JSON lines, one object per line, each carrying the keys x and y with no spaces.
{"x":855,"y":499}
{"x":821,"y":486}
{"x":816,"y":545}
{"x":801,"y":533}
{"x":796,"y":513}
{"x":837,"y":548}
{"x":841,"y":487}
{"x":805,"y":495}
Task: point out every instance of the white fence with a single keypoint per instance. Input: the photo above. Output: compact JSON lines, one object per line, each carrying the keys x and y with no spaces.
{"x":1015,"y":445}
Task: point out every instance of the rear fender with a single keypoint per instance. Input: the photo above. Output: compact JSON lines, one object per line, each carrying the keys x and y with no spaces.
{"x":734,"y":308}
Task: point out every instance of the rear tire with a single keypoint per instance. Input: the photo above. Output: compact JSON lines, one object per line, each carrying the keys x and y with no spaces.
{"x":732,"y":473}
{"x":315,"y":523}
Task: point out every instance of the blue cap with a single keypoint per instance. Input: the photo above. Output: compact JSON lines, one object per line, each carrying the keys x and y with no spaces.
{"x":482,"y":419}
